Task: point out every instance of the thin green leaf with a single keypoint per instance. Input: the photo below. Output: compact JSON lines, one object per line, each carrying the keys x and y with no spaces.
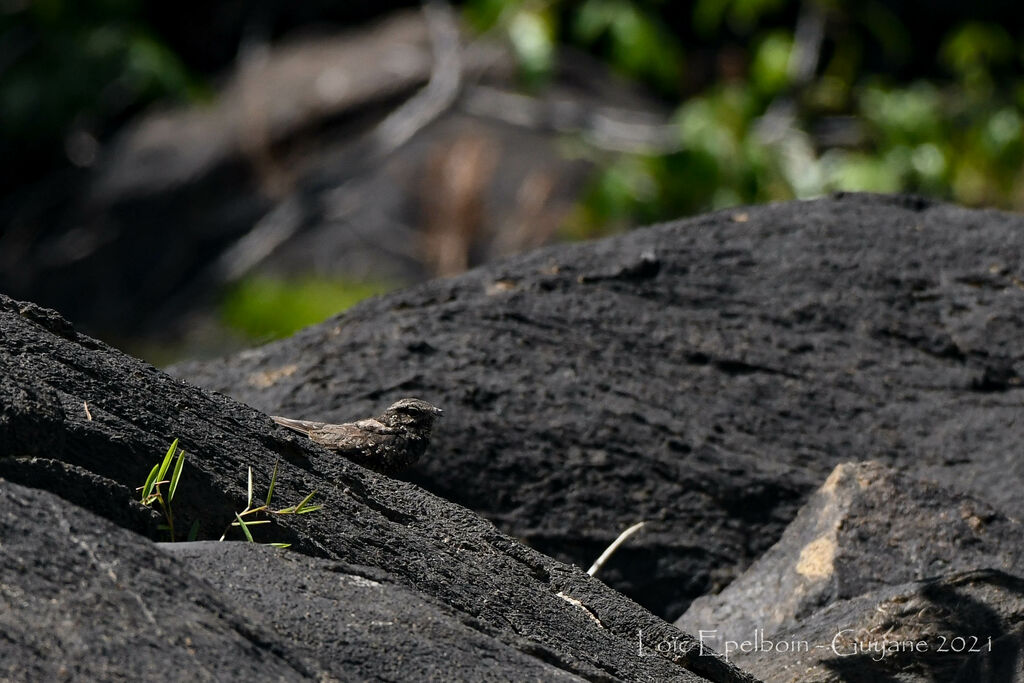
{"x":245,"y":529}
{"x":281,"y":545}
{"x":193,"y":533}
{"x":176,"y":475}
{"x":273,"y":480}
{"x":248,"y":501}
{"x":311,"y":508}
{"x":252,"y":511}
{"x":298,"y":508}
{"x":167,"y":460}
{"x":147,"y":488}
{"x":253,"y":522}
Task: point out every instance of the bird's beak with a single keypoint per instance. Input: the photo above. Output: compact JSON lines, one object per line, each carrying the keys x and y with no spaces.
{"x":438,"y":412}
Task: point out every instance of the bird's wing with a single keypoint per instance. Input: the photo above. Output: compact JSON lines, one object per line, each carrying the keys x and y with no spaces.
{"x":370,"y":426}
{"x":300,"y":426}
{"x":351,"y":436}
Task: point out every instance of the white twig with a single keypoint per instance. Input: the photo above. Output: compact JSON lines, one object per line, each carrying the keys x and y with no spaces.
{"x":442,"y":89}
{"x":606,"y":128}
{"x":274,"y":229}
{"x":610,"y":550}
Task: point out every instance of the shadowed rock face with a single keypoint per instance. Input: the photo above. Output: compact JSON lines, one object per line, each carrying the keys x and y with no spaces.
{"x":964,"y":627}
{"x":241,"y":611}
{"x":840,"y":566}
{"x":85,"y":600}
{"x":385,"y":581}
{"x":705,"y":376}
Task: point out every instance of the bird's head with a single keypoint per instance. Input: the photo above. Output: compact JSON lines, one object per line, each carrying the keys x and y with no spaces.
{"x":412,"y":411}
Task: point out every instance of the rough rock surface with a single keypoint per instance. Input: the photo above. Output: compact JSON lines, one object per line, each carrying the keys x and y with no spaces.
{"x":85,"y":600}
{"x":359,"y":614}
{"x":866,"y":528}
{"x":84,"y":595}
{"x":704,"y":375}
{"x":966,"y":627}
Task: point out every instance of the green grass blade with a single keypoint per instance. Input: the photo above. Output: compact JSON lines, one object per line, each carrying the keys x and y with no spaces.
{"x":167,"y":460}
{"x":311,"y":508}
{"x":281,"y":545}
{"x":147,"y":488}
{"x":248,"y":501}
{"x":193,"y":533}
{"x":176,"y":475}
{"x":298,"y":508}
{"x":245,"y":529}
{"x":273,"y":480}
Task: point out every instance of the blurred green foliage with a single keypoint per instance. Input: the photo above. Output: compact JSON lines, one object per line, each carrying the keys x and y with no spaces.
{"x":894,"y":100}
{"x":264,"y":308}
{"x":754,"y":128}
{"x":77,"y":66}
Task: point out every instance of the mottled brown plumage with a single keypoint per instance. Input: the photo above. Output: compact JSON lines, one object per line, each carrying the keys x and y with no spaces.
{"x":388,"y":443}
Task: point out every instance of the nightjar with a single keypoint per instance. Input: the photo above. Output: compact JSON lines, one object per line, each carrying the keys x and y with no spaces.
{"x":388,"y":443}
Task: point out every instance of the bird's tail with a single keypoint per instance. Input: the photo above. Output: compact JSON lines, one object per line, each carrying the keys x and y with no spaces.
{"x":300,"y":426}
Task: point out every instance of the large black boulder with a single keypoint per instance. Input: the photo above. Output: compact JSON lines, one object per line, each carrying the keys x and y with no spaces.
{"x":962,"y":627}
{"x":386,"y":581}
{"x":879,"y":573}
{"x":704,"y":376}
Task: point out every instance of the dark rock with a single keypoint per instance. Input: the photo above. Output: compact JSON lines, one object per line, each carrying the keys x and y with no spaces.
{"x":867,"y":527}
{"x":79,"y":486}
{"x":31,"y":417}
{"x":356,"y":622}
{"x":84,"y":598}
{"x":709,"y":395}
{"x":965,"y":627}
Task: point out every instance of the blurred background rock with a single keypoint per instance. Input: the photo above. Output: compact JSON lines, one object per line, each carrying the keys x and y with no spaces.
{"x":184,"y":179}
